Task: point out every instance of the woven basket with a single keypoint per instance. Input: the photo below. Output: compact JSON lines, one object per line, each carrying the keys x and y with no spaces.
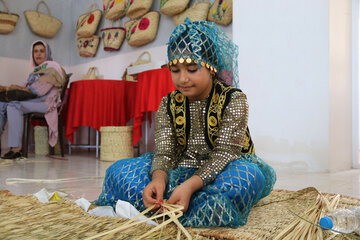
{"x":173,"y":7}
{"x":88,"y":22}
{"x":198,"y":11}
{"x":137,"y":8}
{"x":114,"y":9}
{"x":113,"y":38}
{"x":91,"y":74}
{"x":7,"y":20}
{"x":42,"y":24}
{"x":140,"y":60}
{"x":142,"y":31}
{"x":88,"y":46}
{"x":116,"y":143}
{"x":41,"y":140}
{"x":221,"y":13}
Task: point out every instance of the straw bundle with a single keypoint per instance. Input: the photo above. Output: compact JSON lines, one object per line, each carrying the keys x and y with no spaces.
{"x":198,"y":11}
{"x":299,"y":229}
{"x":24,"y":217}
{"x":116,"y":143}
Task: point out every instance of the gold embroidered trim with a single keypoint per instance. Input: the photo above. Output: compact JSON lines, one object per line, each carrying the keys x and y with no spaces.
{"x":219,"y":98}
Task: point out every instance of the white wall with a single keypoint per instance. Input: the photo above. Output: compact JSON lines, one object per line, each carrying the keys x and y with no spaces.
{"x":290,"y":74}
{"x":17,"y":43}
{"x":340,"y":86}
{"x":355,"y":82}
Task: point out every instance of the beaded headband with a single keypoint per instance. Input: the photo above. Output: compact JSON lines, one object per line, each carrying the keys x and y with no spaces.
{"x":206,"y":45}
{"x":190,"y":60}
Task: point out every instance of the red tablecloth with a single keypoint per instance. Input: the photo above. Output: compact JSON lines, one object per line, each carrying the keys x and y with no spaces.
{"x":97,"y":103}
{"x":152,"y":86}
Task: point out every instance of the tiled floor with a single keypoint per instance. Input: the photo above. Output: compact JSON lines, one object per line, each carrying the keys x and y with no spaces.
{"x":83,"y":166}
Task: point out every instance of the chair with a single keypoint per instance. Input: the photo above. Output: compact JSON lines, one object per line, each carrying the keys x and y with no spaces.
{"x":41,"y":116}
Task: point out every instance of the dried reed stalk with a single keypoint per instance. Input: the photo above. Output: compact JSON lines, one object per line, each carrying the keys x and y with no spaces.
{"x":172,"y":211}
{"x":300,"y":229}
{"x":10,"y":181}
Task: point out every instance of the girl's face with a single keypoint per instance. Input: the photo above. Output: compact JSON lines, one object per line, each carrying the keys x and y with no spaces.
{"x":39,"y":54}
{"x":190,"y":81}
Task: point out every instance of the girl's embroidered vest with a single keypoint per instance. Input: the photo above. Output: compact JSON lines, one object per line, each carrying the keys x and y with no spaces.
{"x":179,"y":112}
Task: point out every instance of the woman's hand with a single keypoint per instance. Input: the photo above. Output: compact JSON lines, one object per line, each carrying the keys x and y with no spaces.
{"x":13,"y":86}
{"x":154,"y":192}
{"x":182,"y":193}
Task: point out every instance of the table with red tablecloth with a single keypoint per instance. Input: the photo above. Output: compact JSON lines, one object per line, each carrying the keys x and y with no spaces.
{"x":152,"y":86}
{"x":97,"y":103}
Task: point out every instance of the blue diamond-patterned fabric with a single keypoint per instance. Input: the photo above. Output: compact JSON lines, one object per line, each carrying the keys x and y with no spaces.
{"x":225,"y":202}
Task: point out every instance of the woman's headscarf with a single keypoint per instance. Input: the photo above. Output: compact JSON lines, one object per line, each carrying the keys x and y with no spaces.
{"x":48,"y":67}
{"x":207,"y":45}
{"x":47,"y":49}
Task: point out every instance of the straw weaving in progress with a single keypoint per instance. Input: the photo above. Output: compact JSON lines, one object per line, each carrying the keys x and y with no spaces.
{"x":24,"y":217}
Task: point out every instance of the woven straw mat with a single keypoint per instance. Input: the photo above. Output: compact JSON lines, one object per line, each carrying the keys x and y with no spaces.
{"x":271,"y":215}
{"x":24,"y":217}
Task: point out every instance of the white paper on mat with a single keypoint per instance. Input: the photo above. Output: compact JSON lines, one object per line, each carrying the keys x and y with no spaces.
{"x":126,"y":210}
{"x":123,"y":209}
{"x":82,"y":202}
{"x":103,"y":211}
{"x":44,"y":196}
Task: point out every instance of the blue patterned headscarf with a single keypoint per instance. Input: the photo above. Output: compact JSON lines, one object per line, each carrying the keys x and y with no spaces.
{"x":207,"y":45}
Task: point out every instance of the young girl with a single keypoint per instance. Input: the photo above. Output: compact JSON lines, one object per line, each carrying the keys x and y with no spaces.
{"x":204,"y":158}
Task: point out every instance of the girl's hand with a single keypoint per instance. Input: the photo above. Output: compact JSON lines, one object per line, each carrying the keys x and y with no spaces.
{"x":153,"y":193}
{"x":182,"y":193}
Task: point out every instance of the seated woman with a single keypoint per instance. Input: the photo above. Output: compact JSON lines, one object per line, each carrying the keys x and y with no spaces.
{"x":46,"y":82}
{"x":204,"y":158}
